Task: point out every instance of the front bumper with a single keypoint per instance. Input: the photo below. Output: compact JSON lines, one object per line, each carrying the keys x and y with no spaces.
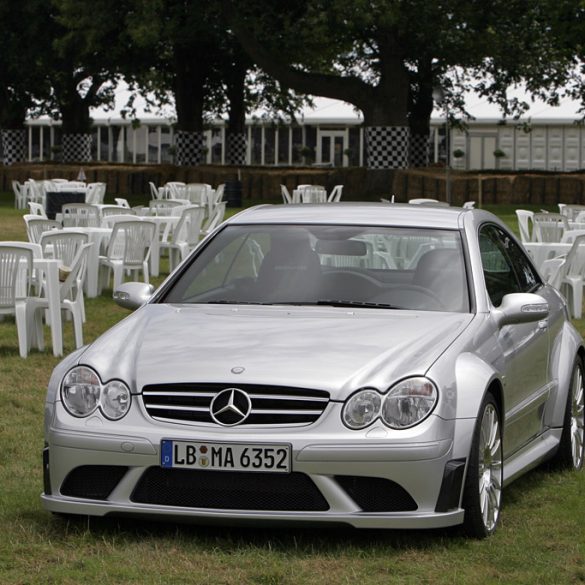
{"x":327,"y":457}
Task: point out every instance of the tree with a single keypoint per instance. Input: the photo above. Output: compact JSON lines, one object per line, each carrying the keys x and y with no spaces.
{"x":384,"y":57}
{"x":90,"y":50}
{"x":21,"y":74}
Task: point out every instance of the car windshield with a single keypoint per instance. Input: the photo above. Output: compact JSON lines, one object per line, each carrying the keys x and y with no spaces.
{"x":353,"y":266}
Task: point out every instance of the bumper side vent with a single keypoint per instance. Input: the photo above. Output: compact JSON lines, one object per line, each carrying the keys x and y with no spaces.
{"x":376,"y":494}
{"x":95,"y":482}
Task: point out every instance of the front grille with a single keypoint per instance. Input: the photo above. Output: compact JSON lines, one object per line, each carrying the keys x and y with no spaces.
{"x":271,"y":405}
{"x":376,"y":494}
{"x":228,"y":490}
{"x":95,"y":482}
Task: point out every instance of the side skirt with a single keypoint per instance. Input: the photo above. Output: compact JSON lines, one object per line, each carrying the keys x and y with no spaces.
{"x":534,"y":453}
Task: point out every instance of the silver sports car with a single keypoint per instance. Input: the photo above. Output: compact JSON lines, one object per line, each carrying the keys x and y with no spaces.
{"x":375,"y":365}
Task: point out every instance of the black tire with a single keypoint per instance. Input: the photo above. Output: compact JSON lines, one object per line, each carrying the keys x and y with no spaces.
{"x":571,"y":451}
{"x":482,"y":495}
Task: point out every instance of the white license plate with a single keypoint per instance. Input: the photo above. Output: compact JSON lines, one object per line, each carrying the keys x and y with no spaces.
{"x":225,"y":456}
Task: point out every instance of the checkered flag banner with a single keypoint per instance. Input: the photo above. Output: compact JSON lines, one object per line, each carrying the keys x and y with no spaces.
{"x":387,"y":147}
{"x":13,"y":146}
{"x":77,"y":147}
{"x":419,"y":150}
{"x":236,"y":149}
{"x":189,"y":148}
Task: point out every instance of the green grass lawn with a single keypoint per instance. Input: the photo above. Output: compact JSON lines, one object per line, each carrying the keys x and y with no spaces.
{"x":541,"y":539}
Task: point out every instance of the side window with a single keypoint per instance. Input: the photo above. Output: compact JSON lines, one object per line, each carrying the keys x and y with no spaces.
{"x":527,"y":276}
{"x":500,"y":277}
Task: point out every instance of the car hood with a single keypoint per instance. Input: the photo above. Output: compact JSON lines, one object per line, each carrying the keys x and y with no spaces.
{"x":333,"y":349}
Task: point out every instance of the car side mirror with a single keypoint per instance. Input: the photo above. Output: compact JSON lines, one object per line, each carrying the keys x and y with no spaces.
{"x":519,"y":308}
{"x":132,"y":295}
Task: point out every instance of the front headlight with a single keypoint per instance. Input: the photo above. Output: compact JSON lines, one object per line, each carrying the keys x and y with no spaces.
{"x":115,"y":400}
{"x":82,"y":394}
{"x":409,"y":403}
{"x":80,"y":391}
{"x":403,"y":406}
{"x":362,"y":409}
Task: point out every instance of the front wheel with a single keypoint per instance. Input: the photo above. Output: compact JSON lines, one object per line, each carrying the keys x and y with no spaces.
{"x":482,"y":496}
{"x":571,"y":449}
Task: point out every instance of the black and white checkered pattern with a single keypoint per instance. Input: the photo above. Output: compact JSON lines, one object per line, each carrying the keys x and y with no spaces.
{"x":189,"y":148}
{"x":76,"y":147}
{"x":13,"y":146}
{"x":419,"y":150}
{"x":236,"y":149}
{"x":387,"y":147}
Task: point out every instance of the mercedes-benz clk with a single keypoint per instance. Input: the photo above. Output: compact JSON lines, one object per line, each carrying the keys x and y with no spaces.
{"x":374,"y":365}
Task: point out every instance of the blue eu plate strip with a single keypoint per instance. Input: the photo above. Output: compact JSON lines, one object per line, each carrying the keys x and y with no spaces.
{"x":166,"y":453}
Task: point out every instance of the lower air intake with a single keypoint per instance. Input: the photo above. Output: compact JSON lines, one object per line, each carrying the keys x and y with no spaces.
{"x":228,"y":490}
{"x":376,"y":494}
{"x":95,"y":482}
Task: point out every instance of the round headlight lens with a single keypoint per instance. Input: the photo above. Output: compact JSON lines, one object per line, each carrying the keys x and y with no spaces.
{"x":409,"y":403}
{"x":362,"y":409}
{"x":115,"y":400}
{"x":80,"y":391}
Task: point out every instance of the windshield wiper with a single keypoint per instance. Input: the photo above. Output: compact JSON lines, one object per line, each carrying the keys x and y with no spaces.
{"x":226,"y":302}
{"x":359,"y":304}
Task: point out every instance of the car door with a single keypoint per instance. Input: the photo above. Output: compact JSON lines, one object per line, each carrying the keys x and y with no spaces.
{"x":524,"y":347}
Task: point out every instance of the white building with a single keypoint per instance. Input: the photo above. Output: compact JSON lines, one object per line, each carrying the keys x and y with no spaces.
{"x":332,"y":134}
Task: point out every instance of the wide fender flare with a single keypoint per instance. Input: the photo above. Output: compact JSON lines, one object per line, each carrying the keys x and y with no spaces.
{"x":568,"y":344}
{"x":473,"y":377}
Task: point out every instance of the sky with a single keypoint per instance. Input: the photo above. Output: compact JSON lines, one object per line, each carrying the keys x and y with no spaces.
{"x":331,"y":110}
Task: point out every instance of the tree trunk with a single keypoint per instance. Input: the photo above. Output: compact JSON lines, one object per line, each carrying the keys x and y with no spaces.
{"x":420,"y":110}
{"x":384,"y":106}
{"x":236,"y":127}
{"x":189,"y":90}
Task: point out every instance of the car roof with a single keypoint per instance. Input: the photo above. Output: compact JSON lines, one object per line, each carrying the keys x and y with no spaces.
{"x":379,"y":214}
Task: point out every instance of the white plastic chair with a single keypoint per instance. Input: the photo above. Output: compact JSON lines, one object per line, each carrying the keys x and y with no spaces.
{"x":129,"y":249}
{"x":335,"y":195}
{"x":570,"y":235}
{"x":19,"y":195}
{"x":286,"y":196}
{"x":70,"y":296}
{"x":214,"y":220}
{"x":16,"y":269}
{"x":109,"y":210}
{"x":525,"y":226}
{"x":95,"y":193}
{"x":552,"y":271}
{"x":62,"y":245}
{"x":549,"y":227}
{"x":164,"y":206}
{"x":197,"y":193}
{"x":36,"y":225}
{"x":122,"y":202}
{"x":219,"y":192}
{"x":80,"y":215}
{"x":572,"y":276}
{"x":185,"y":236}
{"x":37,"y":209}
{"x":175,"y":190}
{"x":109,"y":221}
{"x":314,"y":194}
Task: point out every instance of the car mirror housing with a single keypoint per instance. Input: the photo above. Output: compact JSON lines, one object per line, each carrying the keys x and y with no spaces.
{"x":519,"y":308}
{"x":132,"y":295}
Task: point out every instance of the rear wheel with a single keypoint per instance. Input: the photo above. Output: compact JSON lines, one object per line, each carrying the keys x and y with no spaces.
{"x":482,"y":497}
{"x":571,"y":450}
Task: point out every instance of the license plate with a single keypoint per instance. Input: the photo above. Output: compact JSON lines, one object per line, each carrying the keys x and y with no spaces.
{"x":225,"y":456}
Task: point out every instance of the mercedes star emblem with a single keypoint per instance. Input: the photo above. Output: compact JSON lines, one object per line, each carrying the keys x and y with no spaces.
{"x":230,"y":407}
